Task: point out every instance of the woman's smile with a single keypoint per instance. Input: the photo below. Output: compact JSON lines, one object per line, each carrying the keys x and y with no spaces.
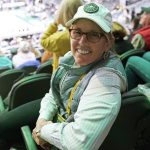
{"x":83,"y":52}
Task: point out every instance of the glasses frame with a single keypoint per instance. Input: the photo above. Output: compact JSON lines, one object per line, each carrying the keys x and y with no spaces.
{"x":100,"y":35}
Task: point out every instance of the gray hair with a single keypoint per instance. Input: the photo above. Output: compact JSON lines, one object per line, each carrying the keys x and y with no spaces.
{"x":24,"y":47}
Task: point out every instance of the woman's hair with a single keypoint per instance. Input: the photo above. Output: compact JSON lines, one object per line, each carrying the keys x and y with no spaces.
{"x":118,"y":31}
{"x":111,"y":39}
{"x":135,"y":23}
{"x":67,"y":10}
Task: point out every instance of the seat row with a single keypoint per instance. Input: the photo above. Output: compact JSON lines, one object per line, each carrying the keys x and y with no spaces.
{"x":11,"y":76}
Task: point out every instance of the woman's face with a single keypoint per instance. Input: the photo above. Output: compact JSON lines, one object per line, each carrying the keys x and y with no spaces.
{"x":84,"y":51}
{"x":145,"y":19}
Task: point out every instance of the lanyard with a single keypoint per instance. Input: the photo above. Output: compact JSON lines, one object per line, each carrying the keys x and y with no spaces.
{"x":71,"y":95}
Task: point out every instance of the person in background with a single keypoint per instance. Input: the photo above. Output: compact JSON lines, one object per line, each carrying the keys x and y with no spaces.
{"x":137,"y":70}
{"x":121,"y":44}
{"x":134,"y":26}
{"x":24,"y":54}
{"x":5,"y":61}
{"x":47,"y":55}
{"x":141,"y":37}
{"x":135,"y":23}
{"x":54,"y":40}
{"x":85,"y":94}
{"x":121,"y":15}
{"x":35,"y":50}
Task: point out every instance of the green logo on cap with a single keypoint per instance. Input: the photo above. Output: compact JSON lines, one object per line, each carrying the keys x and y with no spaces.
{"x":91,"y":8}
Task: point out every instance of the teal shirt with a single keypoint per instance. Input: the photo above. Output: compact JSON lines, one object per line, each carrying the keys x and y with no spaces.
{"x":5,"y":62}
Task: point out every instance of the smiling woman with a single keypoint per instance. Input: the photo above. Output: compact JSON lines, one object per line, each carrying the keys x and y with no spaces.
{"x":91,"y":78}
{"x":85,"y":95}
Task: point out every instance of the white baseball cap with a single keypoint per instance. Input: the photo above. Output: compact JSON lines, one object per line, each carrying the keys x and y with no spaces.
{"x":95,"y":12}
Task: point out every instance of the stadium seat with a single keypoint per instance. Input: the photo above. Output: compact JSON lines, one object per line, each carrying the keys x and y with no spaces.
{"x":129,"y":126}
{"x":133,"y":52}
{"x":45,"y":67}
{"x":4,"y":69}
{"x":29,"y":69}
{"x":28,"y":89}
{"x":7,"y":79}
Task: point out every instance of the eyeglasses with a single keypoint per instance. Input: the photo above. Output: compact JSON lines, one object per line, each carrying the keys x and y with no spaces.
{"x":90,"y":36}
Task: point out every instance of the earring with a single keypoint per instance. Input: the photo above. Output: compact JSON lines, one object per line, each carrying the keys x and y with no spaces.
{"x":106,"y":55}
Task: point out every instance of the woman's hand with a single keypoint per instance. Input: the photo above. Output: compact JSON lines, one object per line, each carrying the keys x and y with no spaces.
{"x":36,"y":134}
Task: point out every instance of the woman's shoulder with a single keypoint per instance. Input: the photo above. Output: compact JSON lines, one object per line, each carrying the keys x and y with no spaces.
{"x":114,"y":64}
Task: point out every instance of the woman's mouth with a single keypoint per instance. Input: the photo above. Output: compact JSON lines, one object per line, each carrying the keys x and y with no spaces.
{"x":83,"y":52}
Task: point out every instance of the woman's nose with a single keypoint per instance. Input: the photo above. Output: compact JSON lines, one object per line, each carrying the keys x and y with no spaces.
{"x":83,"y":38}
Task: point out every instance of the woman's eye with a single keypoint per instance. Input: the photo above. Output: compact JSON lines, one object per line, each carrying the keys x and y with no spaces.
{"x":94,"y":34}
{"x":77,"y":32}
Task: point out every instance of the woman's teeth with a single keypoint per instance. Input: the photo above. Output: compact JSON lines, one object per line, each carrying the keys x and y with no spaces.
{"x":83,"y":51}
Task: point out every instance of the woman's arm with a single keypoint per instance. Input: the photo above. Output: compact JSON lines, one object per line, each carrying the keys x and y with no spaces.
{"x":48,"y":107}
{"x":48,"y":110}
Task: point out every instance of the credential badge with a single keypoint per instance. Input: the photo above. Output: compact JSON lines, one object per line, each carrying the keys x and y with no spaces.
{"x":91,"y":8}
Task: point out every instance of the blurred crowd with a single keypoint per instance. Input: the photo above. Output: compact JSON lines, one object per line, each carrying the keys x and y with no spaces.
{"x":126,"y":23}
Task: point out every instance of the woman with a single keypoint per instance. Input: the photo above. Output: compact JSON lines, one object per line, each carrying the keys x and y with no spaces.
{"x":24,"y":54}
{"x":141,"y":36}
{"x":85,"y":95}
{"x":55,"y":41}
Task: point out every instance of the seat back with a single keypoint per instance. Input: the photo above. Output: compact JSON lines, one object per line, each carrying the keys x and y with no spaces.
{"x":29,"y":69}
{"x":125,"y":131}
{"x":7,"y":79}
{"x":133,"y":52}
{"x":45,"y":67}
{"x":3,"y":69}
{"x":30,"y":66}
{"x":28,"y":89}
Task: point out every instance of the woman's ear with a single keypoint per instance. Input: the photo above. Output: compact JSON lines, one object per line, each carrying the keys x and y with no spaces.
{"x":110,"y":42}
{"x":107,"y":45}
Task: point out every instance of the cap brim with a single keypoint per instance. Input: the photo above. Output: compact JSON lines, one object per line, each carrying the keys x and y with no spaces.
{"x":103,"y":25}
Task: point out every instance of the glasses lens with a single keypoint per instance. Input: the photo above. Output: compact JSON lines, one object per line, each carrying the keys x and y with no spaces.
{"x":93,"y":36}
{"x":75,"y":34}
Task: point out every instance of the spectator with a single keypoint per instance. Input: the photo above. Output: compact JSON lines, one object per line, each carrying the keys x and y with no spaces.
{"x":5,"y":61}
{"x":57,"y":41}
{"x":135,"y":23}
{"x":141,"y":37}
{"x":24,"y":54}
{"x":121,"y":44}
{"x":47,"y":55}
